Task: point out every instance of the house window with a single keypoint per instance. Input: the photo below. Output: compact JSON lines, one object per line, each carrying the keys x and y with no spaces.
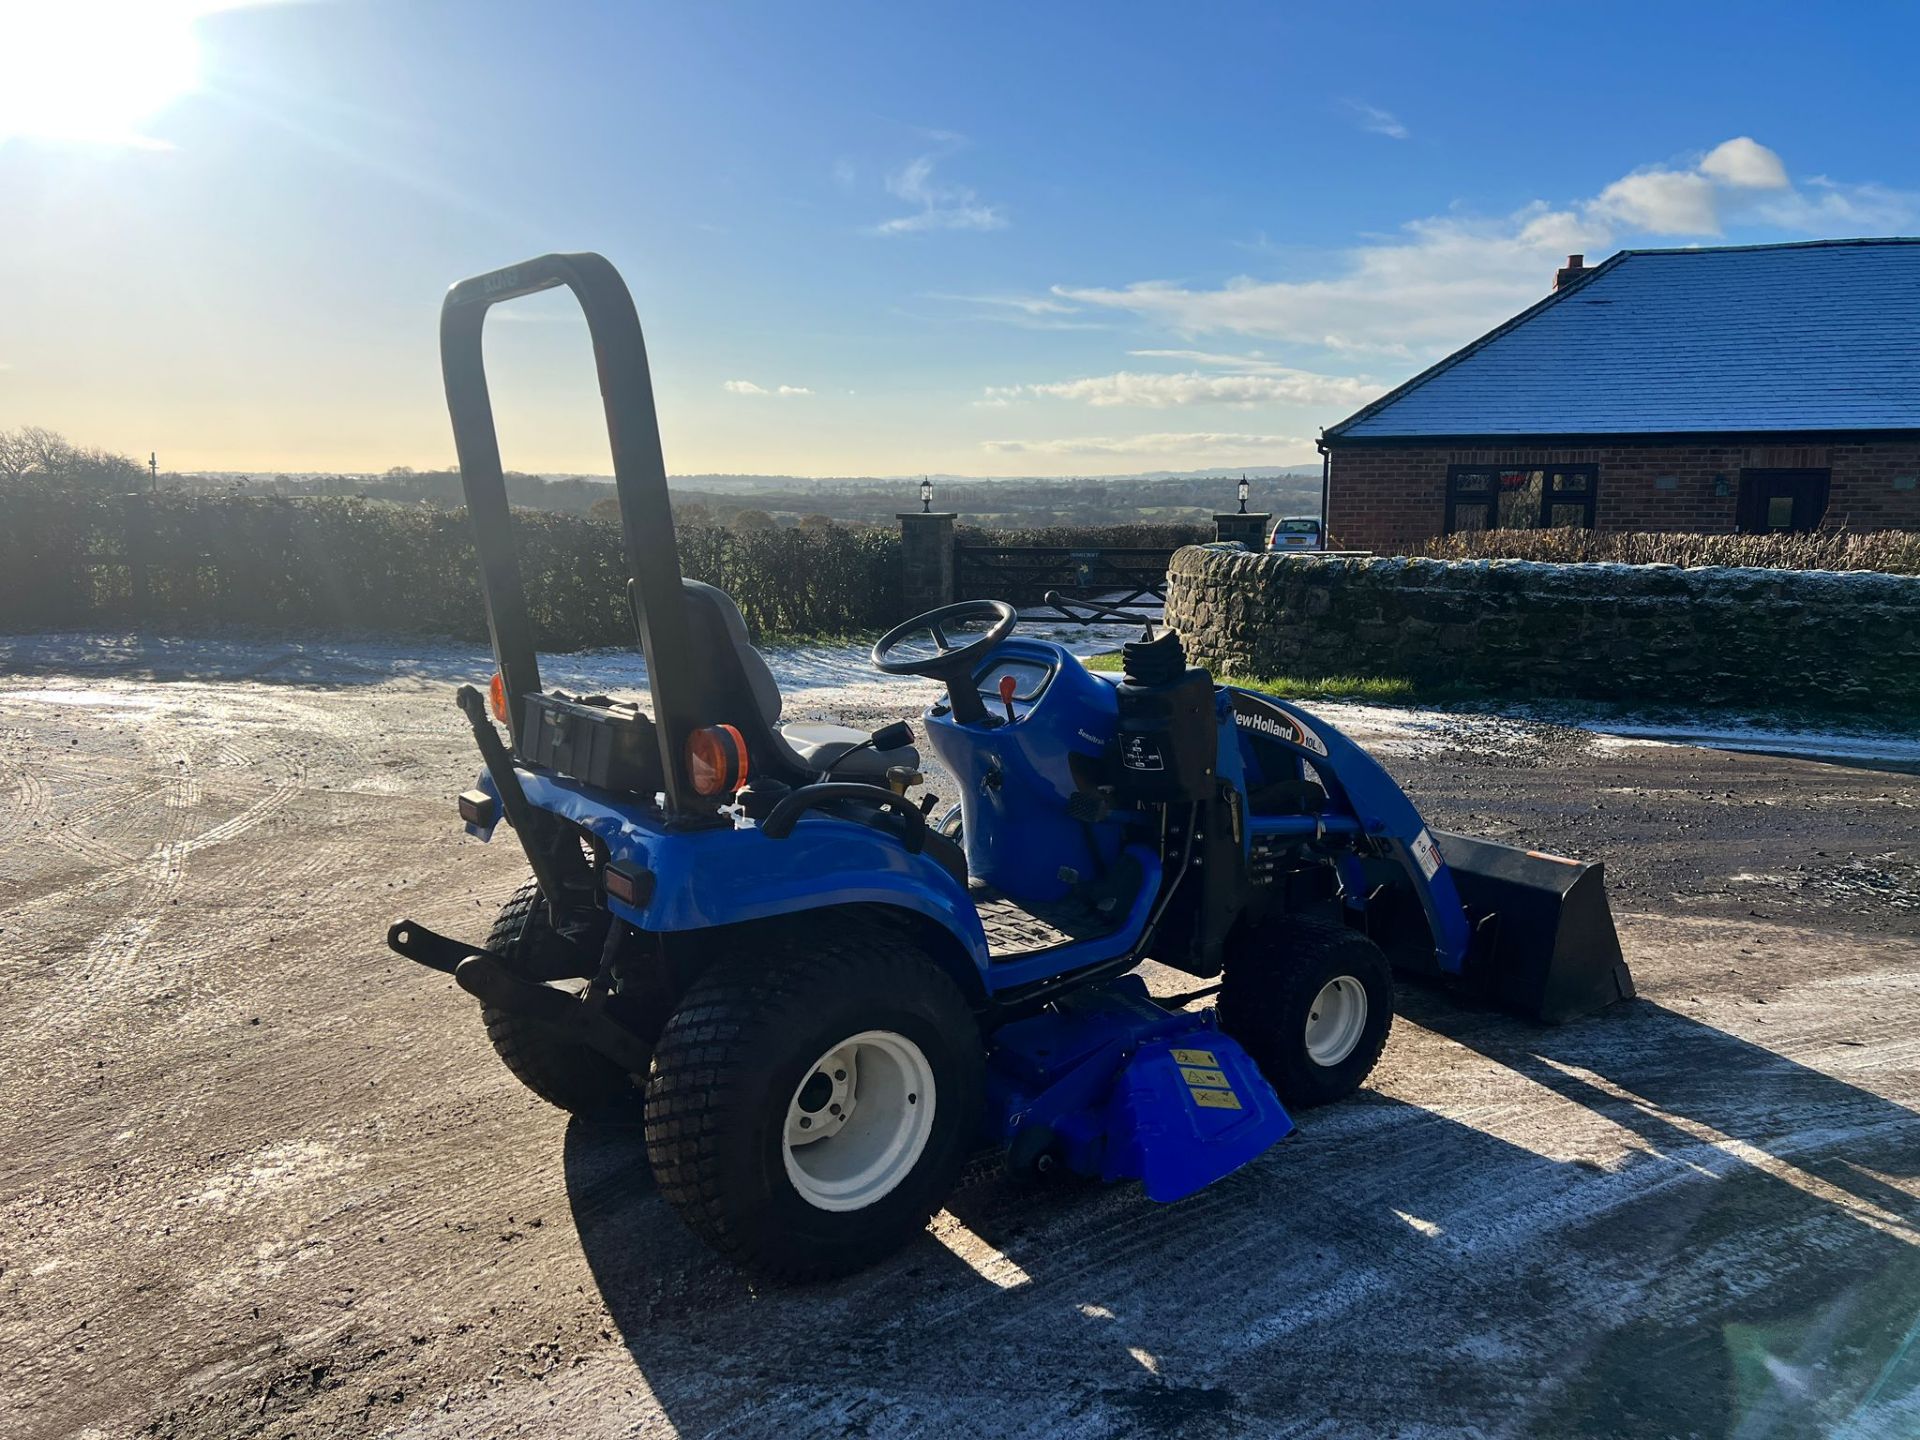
{"x":1773,"y":501}
{"x":1484,"y":497}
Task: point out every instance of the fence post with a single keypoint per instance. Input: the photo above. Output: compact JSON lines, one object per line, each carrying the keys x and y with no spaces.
{"x":1249,"y":530}
{"x":926,"y":561}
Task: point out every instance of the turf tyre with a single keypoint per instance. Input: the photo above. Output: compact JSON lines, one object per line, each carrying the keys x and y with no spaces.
{"x":573,"y":1077}
{"x":731,"y":1062}
{"x":1272,"y":980}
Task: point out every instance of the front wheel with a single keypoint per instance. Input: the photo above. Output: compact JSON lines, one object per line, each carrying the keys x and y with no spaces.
{"x":810,"y":1109}
{"x":1312,"y":1004}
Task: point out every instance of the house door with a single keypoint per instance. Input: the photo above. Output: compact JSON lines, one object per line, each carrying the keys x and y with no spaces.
{"x":1780,"y":500}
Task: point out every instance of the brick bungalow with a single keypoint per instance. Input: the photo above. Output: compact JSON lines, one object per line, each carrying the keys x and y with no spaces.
{"x":1742,"y":388}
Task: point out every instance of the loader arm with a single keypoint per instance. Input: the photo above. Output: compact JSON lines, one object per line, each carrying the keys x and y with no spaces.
{"x":1530,"y":931}
{"x":1365,"y":801}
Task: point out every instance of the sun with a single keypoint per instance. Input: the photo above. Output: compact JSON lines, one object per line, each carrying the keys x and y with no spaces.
{"x":94,"y":71}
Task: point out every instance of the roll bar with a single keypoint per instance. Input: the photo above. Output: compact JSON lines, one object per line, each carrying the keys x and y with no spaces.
{"x":640,"y":487}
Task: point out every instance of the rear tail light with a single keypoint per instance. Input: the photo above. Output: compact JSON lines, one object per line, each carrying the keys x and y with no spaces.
{"x":716,"y":760}
{"x":477,"y":807}
{"x":497,"y":695}
{"x":629,"y":883}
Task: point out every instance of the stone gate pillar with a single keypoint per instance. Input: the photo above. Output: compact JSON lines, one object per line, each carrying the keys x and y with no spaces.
{"x":1249,"y":530}
{"x":926,"y":561}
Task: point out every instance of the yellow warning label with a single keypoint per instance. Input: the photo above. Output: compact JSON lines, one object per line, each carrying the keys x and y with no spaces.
{"x":1216,"y":1099}
{"x":1197,"y":1078}
{"x":1193,"y":1057}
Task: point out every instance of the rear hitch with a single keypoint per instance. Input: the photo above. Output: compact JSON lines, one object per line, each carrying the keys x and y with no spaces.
{"x":490,"y":980}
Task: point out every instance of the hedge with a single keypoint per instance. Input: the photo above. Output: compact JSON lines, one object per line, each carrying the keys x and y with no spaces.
{"x":77,"y":559}
{"x":1089,"y":537}
{"x":1893,"y":552}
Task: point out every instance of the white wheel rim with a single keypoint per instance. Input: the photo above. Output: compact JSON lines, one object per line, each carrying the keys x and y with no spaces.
{"x":858,"y":1121}
{"x":1336,"y":1020}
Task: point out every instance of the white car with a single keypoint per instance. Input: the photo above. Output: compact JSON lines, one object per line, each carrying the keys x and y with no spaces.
{"x":1299,"y":532}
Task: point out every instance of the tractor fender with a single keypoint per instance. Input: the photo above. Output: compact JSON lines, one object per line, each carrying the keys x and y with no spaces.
{"x":825,"y":863}
{"x":1366,"y":796}
{"x":702,"y":878}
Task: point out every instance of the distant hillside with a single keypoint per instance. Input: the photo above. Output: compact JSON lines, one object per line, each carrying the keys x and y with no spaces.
{"x":853,"y":500}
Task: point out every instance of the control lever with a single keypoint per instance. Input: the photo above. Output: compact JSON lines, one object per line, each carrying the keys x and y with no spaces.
{"x":1007,"y":686}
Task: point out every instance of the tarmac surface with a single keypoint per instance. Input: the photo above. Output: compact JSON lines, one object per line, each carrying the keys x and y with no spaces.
{"x":260,"y":1177}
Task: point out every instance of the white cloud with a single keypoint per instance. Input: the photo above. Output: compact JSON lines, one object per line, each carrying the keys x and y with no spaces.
{"x":1024,"y":304}
{"x":941,"y":206}
{"x":1445,"y":279}
{"x":1276,"y":386}
{"x":1440,"y":284}
{"x":747,"y":387}
{"x":1195,"y":445}
{"x":1661,"y":202}
{"x":1827,"y":207}
{"x":1376,"y":121}
{"x":1024,"y":312}
{"x":1745,"y":162}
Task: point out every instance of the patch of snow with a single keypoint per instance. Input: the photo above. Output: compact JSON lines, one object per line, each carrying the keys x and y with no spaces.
{"x":1763,"y":740}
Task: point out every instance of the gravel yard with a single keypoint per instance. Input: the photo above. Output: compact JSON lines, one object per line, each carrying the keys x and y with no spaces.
{"x":264,"y":1178}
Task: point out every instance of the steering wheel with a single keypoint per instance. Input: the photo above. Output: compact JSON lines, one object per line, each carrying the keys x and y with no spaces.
{"x":952,"y":662}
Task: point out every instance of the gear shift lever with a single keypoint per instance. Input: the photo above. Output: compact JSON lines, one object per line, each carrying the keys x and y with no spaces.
{"x":1007,"y":686}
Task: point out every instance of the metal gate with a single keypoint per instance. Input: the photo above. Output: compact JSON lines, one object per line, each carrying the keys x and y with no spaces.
{"x":1131,"y":578}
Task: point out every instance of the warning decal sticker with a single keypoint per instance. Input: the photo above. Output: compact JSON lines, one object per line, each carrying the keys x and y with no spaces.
{"x":1204,"y":1079}
{"x":1426,"y":852}
{"x":1216,"y":1099}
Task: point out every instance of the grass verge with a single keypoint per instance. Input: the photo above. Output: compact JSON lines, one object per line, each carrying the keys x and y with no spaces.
{"x":1380,"y":689}
{"x":1386,"y":690}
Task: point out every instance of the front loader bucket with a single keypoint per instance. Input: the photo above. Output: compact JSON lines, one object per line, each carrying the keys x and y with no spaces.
{"x":1544,"y":942}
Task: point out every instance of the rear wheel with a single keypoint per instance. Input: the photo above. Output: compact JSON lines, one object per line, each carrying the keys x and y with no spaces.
{"x":811,"y":1108}
{"x":570,"y":1076}
{"x":1312,"y":1003}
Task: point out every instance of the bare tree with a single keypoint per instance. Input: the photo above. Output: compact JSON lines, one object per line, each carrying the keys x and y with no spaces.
{"x":33,"y":456}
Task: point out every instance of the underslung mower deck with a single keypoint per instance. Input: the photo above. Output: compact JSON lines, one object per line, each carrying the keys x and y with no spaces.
{"x":826,"y":1003}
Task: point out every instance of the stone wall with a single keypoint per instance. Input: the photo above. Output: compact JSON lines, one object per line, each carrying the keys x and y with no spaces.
{"x":1390,"y":498}
{"x":1653,"y":634}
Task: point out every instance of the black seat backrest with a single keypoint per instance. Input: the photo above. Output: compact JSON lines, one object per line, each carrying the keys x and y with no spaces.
{"x":737,"y":688}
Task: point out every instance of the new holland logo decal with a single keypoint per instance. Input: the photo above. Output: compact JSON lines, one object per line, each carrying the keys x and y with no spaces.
{"x":1270,"y":720}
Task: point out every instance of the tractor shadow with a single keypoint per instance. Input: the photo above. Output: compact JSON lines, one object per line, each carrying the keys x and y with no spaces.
{"x":1733,"y":1256}
{"x":1673,"y":1080}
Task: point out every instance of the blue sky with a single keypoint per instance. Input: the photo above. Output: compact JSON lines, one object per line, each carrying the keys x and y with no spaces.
{"x":875,"y":238}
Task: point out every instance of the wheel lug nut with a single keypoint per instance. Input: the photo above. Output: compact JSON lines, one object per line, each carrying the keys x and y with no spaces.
{"x":805,"y":1123}
{"x":839,"y":1074}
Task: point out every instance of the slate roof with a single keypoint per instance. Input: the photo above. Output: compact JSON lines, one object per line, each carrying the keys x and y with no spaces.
{"x":1819,"y":336}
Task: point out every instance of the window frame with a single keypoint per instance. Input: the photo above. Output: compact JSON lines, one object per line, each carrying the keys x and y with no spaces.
{"x":1553,"y":493}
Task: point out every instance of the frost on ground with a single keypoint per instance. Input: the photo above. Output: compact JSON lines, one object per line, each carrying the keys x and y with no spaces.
{"x":265,"y":1179}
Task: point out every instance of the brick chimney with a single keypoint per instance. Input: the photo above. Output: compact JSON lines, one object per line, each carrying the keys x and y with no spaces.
{"x":1574,"y":269}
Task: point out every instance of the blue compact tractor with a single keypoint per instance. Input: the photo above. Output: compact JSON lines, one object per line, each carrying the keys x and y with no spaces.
{"x":828,"y":1004}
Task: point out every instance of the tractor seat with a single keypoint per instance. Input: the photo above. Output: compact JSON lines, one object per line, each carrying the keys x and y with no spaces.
{"x":824,"y":746}
{"x":742,"y":690}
